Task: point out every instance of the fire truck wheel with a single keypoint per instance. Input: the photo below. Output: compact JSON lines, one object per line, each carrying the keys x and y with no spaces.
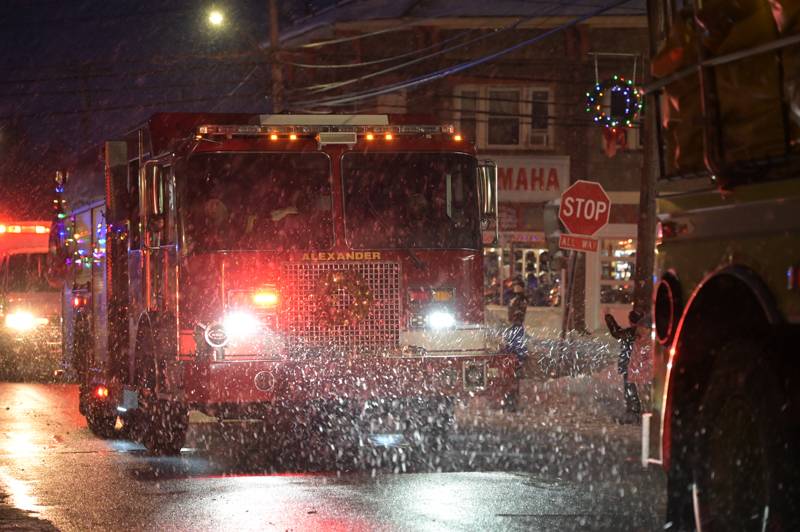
{"x":161,"y":424}
{"x":165,"y":425}
{"x":741,"y":447}
{"x":101,"y":424}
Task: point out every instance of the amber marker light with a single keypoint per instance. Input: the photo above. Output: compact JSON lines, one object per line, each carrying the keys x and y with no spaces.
{"x":389,"y":136}
{"x":292,"y":137}
{"x":458,"y":138}
{"x":370,"y":136}
{"x":266,"y":299}
{"x":273,"y":136}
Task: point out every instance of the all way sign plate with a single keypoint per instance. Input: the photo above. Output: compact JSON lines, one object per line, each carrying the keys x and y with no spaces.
{"x":577,"y":242}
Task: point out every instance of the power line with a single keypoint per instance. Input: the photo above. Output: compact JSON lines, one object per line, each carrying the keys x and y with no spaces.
{"x":379,"y":61}
{"x":334,"y":85}
{"x":341,"y":100}
{"x":340,"y":40}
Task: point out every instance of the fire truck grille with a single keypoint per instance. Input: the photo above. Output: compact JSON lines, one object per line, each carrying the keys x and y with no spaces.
{"x":320,"y":319}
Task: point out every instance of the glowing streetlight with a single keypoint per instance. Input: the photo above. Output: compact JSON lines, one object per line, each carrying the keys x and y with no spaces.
{"x":216,"y":18}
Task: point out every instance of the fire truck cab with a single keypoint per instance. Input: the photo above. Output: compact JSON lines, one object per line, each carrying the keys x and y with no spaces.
{"x":30,"y":314}
{"x":276,"y":265}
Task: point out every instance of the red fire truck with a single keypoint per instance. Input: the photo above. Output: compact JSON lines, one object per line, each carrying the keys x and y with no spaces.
{"x":279,"y":266}
{"x":30,"y":314}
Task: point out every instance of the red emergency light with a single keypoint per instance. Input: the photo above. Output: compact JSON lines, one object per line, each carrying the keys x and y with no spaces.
{"x":101,"y":392}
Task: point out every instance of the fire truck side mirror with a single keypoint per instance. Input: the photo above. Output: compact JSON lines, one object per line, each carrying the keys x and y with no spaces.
{"x":487,"y":190}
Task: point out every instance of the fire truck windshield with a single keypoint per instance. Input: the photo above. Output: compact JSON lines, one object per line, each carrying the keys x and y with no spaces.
{"x":410,"y":200}
{"x":25,"y":272}
{"x":256,"y":201}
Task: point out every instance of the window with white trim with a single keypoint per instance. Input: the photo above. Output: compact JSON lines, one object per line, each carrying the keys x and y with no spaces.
{"x":507,"y":117}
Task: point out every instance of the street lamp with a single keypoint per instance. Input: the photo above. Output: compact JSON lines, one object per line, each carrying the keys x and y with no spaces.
{"x":216,"y":18}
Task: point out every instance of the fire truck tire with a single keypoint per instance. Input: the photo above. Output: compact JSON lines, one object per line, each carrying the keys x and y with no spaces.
{"x":101,"y":424}
{"x":161,"y":424}
{"x":741,"y":449}
{"x":165,"y":425}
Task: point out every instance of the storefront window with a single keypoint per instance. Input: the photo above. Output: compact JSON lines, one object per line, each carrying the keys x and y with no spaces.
{"x":533,"y":265}
{"x":617,"y":265}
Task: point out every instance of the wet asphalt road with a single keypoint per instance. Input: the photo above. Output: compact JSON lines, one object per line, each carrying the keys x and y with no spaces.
{"x":52,"y":466}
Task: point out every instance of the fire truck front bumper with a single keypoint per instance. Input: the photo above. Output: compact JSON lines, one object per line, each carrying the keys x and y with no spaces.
{"x":209,"y":383}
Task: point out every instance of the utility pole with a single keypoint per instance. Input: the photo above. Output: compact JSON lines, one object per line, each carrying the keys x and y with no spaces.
{"x":277,"y":69}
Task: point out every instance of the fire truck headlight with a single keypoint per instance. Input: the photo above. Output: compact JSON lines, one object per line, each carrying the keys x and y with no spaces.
{"x":240,"y":324}
{"x":441,"y":319}
{"x":23,"y":321}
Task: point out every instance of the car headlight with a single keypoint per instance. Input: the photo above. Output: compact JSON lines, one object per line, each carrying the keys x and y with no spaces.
{"x":440,"y":319}
{"x":23,"y":321}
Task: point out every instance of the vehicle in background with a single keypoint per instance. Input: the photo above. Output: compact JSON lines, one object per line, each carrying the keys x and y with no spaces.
{"x":302,"y":269}
{"x":30,"y":313}
{"x":726,"y":311}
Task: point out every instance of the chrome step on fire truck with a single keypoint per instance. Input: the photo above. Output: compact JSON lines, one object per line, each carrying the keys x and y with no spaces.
{"x":279,"y":266}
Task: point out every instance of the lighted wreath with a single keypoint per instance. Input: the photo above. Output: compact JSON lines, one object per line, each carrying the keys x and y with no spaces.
{"x":618,"y":115}
{"x":329,"y":291}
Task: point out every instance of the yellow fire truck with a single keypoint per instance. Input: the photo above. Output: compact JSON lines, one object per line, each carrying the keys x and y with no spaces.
{"x":726,"y":409}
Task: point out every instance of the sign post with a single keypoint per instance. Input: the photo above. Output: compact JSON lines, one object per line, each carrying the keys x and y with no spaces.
{"x":585,"y":209}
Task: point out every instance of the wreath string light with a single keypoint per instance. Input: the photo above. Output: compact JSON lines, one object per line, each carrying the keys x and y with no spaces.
{"x":622,"y":88}
{"x":331,"y":313}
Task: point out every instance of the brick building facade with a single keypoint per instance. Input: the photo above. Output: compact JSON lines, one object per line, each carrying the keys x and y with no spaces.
{"x":524,"y":109}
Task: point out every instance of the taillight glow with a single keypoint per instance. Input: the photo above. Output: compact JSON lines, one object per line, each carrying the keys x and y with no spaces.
{"x":101,"y":392}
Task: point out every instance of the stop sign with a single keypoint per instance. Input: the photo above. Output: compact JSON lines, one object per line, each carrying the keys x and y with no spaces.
{"x":585,"y":208}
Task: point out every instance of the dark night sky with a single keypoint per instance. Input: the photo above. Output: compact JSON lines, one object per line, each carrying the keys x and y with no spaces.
{"x":76,"y":72}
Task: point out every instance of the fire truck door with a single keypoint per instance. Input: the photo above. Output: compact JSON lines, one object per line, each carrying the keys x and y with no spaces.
{"x":160,"y":237}
{"x":160,"y":268}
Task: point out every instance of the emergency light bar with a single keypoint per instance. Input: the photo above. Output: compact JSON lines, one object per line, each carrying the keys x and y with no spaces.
{"x":311,"y":131}
{"x":324,"y":120}
{"x":38,"y":229}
